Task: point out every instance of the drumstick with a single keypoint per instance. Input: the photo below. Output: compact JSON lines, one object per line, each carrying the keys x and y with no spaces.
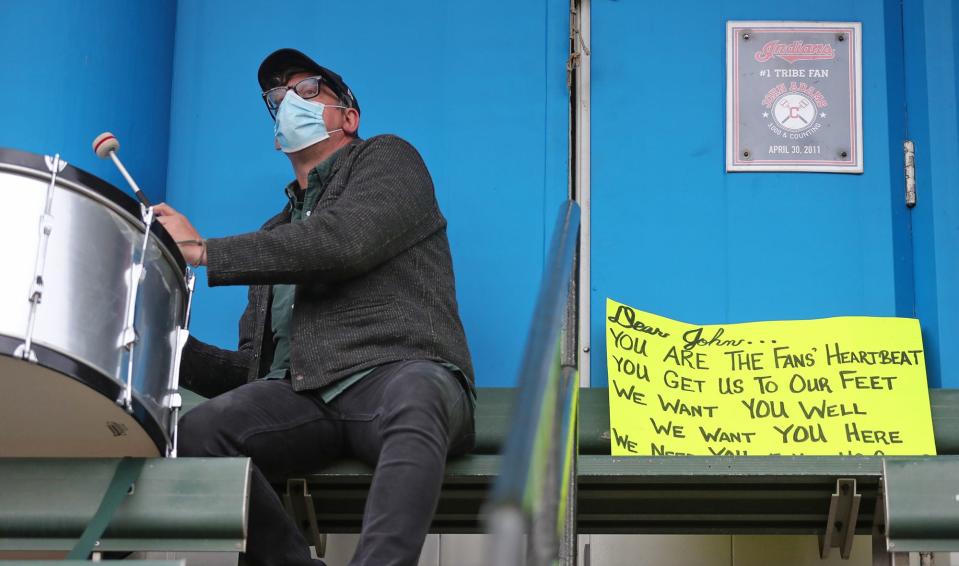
{"x":106,"y":145}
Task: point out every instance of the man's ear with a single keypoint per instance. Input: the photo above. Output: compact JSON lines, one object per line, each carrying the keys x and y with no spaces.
{"x":351,"y":121}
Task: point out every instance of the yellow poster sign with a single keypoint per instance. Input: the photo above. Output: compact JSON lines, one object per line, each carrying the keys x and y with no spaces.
{"x":834,"y":386}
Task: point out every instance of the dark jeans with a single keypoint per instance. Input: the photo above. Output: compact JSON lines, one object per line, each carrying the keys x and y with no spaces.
{"x":404,"y":419}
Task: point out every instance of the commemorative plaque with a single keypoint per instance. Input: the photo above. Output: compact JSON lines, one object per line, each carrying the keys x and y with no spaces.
{"x":794,"y":96}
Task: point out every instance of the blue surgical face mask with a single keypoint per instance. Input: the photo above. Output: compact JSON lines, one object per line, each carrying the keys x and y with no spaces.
{"x":299,"y":123}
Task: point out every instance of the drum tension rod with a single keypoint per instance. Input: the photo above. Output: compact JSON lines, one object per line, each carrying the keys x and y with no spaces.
{"x":175,"y":401}
{"x":128,"y":338}
{"x":25,"y":351}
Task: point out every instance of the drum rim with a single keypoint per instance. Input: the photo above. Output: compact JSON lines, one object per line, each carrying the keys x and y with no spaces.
{"x":35,"y":162}
{"x":92,"y":378}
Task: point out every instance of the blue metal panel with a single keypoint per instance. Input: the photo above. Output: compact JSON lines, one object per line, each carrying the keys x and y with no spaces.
{"x":932,"y":55}
{"x":74,"y":69}
{"x":483,"y":97}
{"x":674,"y":234}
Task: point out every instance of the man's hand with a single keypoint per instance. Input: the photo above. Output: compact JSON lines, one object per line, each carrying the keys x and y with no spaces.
{"x":187,"y":238}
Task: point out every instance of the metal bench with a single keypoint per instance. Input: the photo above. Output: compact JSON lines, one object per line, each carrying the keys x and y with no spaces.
{"x":674,"y":494}
{"x":198,"y":504}
{"x":187,"y":504}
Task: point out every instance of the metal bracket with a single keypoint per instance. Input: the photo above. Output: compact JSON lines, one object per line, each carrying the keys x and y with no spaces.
{"x":299,"y":504}
{"x":883,"y":551}
{"x":841,"y":522}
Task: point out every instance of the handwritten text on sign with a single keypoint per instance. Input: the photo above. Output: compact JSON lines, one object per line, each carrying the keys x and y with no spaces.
{"x":849,"y":385}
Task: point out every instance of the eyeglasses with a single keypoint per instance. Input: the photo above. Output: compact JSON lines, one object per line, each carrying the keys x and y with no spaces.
{"x":306,"y":89}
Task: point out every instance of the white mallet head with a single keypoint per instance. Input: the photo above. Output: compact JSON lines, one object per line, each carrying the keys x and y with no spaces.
{"x":104,"y":144}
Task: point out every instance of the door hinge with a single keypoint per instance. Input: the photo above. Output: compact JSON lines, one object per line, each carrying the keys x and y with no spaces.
{"x":909,"y":159}
{"x":577,"y":45}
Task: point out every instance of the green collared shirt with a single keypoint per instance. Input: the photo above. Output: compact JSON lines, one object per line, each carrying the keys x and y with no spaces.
{"x":301,"y":206}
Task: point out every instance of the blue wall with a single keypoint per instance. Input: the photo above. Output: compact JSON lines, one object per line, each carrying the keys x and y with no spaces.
{"x":485,"y":101}
{"x":72,"y":70}
{"x":674,"y":234}
{"x":932,"y":56}
{"x":482,"y":97}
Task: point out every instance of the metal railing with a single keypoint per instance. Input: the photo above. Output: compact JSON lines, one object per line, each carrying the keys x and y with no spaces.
{"x":534,"y":496}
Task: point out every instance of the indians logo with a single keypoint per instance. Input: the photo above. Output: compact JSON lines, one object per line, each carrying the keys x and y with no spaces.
{"x":795,"y":51}
{"x":793,"y":112}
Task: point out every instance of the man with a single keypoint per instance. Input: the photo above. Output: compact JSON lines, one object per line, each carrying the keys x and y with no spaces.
{"x":351,"y":344}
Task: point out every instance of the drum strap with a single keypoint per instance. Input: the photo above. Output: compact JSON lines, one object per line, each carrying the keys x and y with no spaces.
{"x":128,"y":470}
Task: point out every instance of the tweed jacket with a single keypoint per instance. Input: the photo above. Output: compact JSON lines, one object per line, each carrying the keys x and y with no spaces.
{"x":373,"y":276}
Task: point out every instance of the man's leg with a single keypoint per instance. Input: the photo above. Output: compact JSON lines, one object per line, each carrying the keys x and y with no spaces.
{"x":281,"y":431}
{"x":421,"y":414}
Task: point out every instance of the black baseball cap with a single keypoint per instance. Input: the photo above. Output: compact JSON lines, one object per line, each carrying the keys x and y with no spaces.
{"x":283,"y":59}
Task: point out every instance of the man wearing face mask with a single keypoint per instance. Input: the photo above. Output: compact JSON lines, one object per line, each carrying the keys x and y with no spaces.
{"x":351,"y":344}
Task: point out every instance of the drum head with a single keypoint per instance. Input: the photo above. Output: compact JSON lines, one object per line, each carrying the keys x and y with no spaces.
{"x":68,"y":411}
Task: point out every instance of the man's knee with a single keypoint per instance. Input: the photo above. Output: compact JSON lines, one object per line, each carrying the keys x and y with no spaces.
{"x":205,"y":430}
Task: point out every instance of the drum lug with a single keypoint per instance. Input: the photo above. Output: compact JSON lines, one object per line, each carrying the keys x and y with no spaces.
{"x":182,"y":335}
{"x":175,"y":402}
{"x":146,"y":214}
{"x":128,"y":338}
{"x":24,"y":353}
{"x":54,"y":164}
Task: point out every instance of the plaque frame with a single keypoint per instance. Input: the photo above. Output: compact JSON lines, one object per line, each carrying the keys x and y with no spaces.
{"x":735,"y":161}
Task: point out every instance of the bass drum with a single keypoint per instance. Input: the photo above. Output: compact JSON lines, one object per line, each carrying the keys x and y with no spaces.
{"x":66,"y":395}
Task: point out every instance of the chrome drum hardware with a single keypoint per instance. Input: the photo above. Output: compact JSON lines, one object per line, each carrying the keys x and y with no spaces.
{"x":94,"y":309}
